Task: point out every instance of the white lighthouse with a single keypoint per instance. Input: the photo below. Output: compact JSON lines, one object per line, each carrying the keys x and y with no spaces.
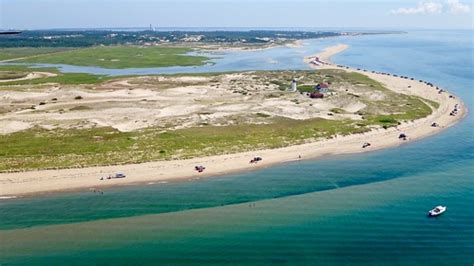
{"x":294,"y":86}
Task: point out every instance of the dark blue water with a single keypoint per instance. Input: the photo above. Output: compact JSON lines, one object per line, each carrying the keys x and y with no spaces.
{"x":365,"y":209}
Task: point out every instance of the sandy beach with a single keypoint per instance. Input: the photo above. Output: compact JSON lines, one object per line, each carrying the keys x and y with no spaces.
{"x":210,"y":47}
{"x":32,"y":75}
{"x":45,"y":181}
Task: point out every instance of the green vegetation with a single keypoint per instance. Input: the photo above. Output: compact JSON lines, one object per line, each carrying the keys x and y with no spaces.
{"x":65,"y":78}
{"x":88,"y":38}
{"x":60,"y":78}
{"x":391,"y":110}
{"x":80,"y":108}
{"x":11,"y":53}
{"x":263,"y":115}
{"x":385,"y":121}
{"x":122,"y":57}
{"x":433,"y":104}
{"x":281,"y":85}
{"x":393,"y":107}
{"x":12,"y":75}
{"x":37,"y":148}
{"x":22,"y":68}
{"x":70,"y":78}
{"x":306,"y":88}
{"x":353,"y":78}
{"x":398,"y":109}
{"x":337,"y":110}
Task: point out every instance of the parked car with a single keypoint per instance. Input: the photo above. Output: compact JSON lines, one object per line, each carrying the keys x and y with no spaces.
{"x":119,"y":175}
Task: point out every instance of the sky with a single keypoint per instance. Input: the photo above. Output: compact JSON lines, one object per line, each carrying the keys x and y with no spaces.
{"x":378,"y":14}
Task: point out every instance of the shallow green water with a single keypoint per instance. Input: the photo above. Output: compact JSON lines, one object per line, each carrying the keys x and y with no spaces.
{"x":346,"y":210}
{"x":366,"y":224}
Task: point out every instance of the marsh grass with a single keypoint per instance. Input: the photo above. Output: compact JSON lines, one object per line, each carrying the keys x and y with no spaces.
{"x":118,"y":57}
{"x":5,"y":75}
{"x":12,"y":53}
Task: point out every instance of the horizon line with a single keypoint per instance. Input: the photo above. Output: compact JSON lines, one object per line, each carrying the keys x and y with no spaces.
{"x":197,"y":28}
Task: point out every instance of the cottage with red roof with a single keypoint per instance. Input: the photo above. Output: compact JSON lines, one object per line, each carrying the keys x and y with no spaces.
{"x":322,"y":87}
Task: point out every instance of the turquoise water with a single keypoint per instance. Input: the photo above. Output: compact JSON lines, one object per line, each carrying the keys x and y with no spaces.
{"x":352,"y":210}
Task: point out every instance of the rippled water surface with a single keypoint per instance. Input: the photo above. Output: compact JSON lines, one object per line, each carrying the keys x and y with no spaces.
{"x":365,"y":209}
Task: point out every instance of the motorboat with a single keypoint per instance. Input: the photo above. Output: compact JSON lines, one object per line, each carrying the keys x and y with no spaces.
{"x":438,"y":210}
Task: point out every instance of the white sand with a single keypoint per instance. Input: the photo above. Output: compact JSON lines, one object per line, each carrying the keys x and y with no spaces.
{"x":15,"y":184}
{"x":132,"y":104}
{"x":32,"y":75}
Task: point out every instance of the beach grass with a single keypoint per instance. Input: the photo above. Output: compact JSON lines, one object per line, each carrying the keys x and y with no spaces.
{"x":392,"y":109}
{"x":24,"y":68}
{"x":119,"y":57}
{"x":306,"y":88}
{"x":4,"y":75}
{"x":21,"y":52}
{"x":42,"y":149}
{"x":63,"y":148}
{"x":65,"y":78}
{"x":60,"y":78}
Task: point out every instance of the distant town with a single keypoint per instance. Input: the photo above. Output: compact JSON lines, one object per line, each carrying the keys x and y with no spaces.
{"x":150,"y":37}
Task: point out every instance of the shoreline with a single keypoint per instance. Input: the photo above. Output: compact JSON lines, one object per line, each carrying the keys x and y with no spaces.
{"x":20,"y":184}
{"x":250,"y":48}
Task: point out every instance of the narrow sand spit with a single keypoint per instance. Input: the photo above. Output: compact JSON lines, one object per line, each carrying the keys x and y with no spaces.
{"x":32,"y":75}
{"x":15,"y":184}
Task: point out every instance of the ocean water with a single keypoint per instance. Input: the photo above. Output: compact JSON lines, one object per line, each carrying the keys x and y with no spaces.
{"x":365,"y":209}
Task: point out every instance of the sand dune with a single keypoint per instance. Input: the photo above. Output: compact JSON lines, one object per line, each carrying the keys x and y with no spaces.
{"x":15,"y":184}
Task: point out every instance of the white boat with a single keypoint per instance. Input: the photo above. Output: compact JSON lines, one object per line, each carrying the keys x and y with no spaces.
{"x":437,"y":211}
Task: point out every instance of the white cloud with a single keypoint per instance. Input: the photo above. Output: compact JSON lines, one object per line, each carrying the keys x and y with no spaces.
{"x":455,"y":7}
{"x":422,"y":8}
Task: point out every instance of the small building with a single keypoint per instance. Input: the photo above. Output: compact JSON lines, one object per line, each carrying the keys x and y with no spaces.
{"x":323,"y":85}
{"x":294,"y":86}
{"x":322,"y":88}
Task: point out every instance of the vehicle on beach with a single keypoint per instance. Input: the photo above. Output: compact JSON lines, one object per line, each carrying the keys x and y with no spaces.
{"x":256,"y":159}
{"x":199,"y":168}
{"x":438,"y":210}
{"x":365,"y":145}
{"x":119,"y":175}
{"x":402,"y":136}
